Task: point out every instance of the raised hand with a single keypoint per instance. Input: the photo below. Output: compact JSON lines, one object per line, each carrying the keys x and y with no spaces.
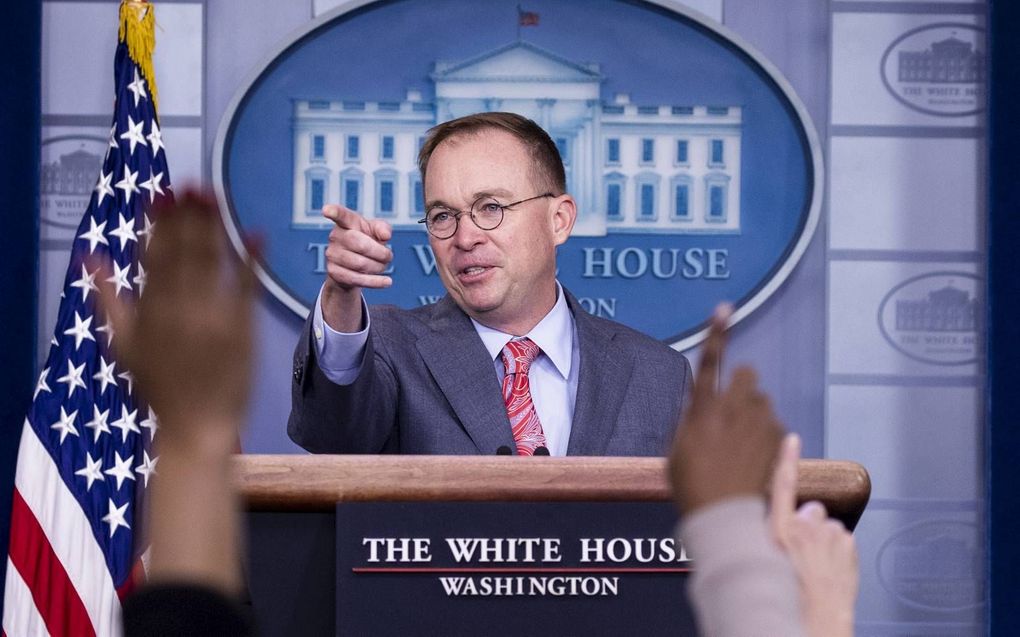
{"x":822,"y":551}
{"x":188,"y":340}
{"x":728,"y":440}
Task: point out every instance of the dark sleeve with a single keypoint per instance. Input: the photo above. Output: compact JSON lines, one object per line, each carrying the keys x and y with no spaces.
{"x":184,"y":609}
{"x":686,"y":386}
{"x":678,"y":397}
{"x":330,"y":418}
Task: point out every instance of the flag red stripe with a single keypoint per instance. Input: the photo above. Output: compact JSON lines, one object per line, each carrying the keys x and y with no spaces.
{"x":55,"y":597}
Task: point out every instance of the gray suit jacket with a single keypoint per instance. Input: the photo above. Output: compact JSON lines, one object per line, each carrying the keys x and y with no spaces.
{"x":428,"y":386}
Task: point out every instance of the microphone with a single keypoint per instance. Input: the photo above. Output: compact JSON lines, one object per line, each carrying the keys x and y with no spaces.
{"x":504,"y":451}
{"x":541,"y":451}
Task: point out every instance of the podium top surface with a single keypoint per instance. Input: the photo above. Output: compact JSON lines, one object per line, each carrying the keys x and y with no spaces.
{"x":318,"y":482}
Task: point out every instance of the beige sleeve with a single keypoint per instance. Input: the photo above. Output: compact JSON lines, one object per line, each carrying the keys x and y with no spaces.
{"x":742,"y":584}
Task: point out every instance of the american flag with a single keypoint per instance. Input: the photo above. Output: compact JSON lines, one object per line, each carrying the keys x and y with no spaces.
{"x":526,"y":18}
{"x":84,"y":461}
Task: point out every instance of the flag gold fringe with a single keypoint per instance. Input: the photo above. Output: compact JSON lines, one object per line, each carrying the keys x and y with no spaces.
{"x":138,"y":30}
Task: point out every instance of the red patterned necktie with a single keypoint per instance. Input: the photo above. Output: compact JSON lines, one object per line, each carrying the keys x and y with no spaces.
{"x":517,"y":358}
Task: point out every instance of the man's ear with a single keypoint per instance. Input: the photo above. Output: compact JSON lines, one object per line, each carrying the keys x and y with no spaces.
{"x":564,"y":214}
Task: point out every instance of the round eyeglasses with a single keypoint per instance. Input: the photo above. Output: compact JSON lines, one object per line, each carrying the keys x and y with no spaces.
{"x":486,"y":213}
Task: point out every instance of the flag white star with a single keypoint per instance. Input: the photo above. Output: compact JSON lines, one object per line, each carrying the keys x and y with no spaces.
{"x":66,"y":424}
{"x":115,"y":517}
{"x":73,"y":377}
{"x":138,"y":88}
{"x":155,"y":138}
{"x":98,"y":424}
{"x":140,"y":279}
{"x":94,"y":235}
{"x":42,"y":386}
{"x":127,"y":184}
{"x":126,"y":424}
{"x":147,"y":230}
{"x":147,"y":468}
{"x":153,"y":185}
{"x":151,"y":423}
{"x":113,"y":136}
{"x":92,"y":470}
{"x":107,"y":328}
{"x":105,"y":374}
{"x":128,"y":377}
{"x":134,"y":134}
{"x":121,"y":468}
{"x":124,"y":231}
{"x":103,"y":187}
{"x":120,"y":277}
{"x":86,"y":283}
{"x":80,"y":331}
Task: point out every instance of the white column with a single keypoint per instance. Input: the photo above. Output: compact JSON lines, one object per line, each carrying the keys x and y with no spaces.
{"x":545,"y":110}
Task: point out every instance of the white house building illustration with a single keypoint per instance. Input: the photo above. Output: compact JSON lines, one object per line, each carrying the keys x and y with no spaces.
{"x":633,"y":168}
{"x":946,"y":61}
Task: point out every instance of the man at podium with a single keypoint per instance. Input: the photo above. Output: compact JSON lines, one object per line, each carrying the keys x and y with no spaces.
{"x":508,"y":361}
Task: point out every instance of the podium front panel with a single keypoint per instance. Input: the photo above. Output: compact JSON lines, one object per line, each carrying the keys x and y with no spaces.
{"x":510,"y":568}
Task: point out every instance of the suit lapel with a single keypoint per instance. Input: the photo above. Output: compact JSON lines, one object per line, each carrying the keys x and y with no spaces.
{"x":458,"y":361}
{"x":601,"y":384}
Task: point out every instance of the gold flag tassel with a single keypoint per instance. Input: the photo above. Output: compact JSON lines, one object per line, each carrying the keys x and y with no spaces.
{"x":138,"y":31}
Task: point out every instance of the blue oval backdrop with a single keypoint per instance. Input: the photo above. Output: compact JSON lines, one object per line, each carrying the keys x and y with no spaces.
{"x":696,"y":168}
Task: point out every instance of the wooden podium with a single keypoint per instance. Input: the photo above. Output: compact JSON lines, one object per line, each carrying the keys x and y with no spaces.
{"x":317,"y":482}
{"x":291,"y":502}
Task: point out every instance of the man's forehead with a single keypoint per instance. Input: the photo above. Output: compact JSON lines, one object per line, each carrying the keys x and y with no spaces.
{"x":491,"y":171}
{"x":487,"y":134}
{"x":500,"y":194}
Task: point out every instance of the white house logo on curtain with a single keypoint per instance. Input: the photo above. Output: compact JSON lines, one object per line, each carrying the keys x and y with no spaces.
{"x":67,"y":176}
{"x":938,"y":69}
{"x":933,"y":565}
{"x":696,"y":169}
{"x":934,"y":318}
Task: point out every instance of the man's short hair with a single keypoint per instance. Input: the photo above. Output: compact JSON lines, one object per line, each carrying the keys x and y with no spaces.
{"x":547,"y":165}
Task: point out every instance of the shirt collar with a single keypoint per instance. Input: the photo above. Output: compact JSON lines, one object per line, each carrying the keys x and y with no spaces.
{"x":554,"y":334}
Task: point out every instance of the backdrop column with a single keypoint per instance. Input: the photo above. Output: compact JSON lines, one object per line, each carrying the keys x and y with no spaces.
{"x":19,"y":185}
{"x":1003,"y":439}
